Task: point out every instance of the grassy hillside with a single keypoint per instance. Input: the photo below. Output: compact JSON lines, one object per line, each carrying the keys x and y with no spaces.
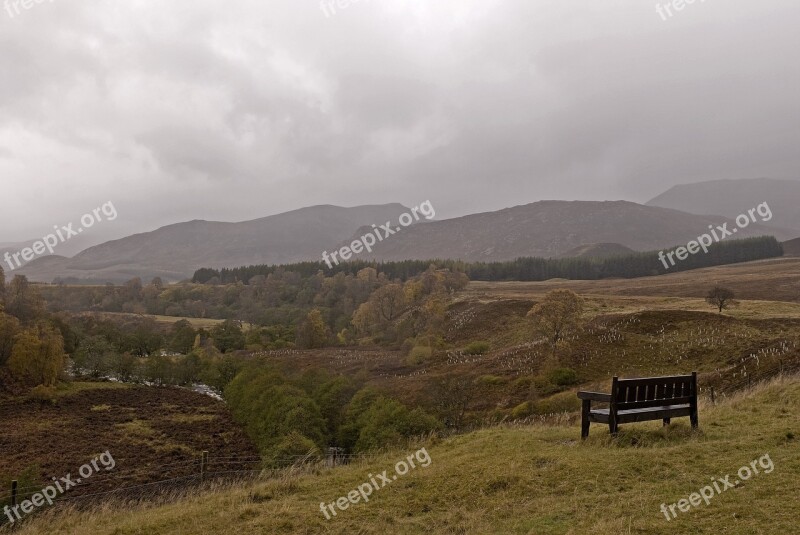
{"x":767,"y":280}
{"x":521,"y":480}
{"x":625,"y":336}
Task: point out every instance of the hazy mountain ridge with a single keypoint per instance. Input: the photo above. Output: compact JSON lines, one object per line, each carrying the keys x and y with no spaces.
{"x":733,"y":197}
{"x":174,"y":252}
{"x":546,"y":229}
{"x":792,"y":247}
{"x":550,"y":229}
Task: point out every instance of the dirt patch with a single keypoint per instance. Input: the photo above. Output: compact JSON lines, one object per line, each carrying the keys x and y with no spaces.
{"x":152,"y":433}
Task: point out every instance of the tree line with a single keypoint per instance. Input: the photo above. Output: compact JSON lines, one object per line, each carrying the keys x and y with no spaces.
{"x":626,"y":266}
{"x":290,"y":309}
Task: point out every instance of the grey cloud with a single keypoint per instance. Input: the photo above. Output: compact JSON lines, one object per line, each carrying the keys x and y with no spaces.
{"x":236,"y":111}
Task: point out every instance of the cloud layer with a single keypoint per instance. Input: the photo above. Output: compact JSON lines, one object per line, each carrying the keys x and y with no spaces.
{"x":230,"y":111}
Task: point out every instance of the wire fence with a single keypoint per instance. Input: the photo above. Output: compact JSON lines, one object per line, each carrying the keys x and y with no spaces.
{"x":720,"y":389}
{"x":202,"y":472}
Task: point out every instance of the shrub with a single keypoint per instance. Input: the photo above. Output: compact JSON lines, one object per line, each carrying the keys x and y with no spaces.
{"x":419,"y":354}
{"x":374,"y":421}
{"x":294,"y":445}
{"x":563,"y":377}
{"x":477,"y":348}
{"x":563,"y":402}
{"x":544,"y":386}
{"x":522,"y":410}
{"x":271,"y":409}
{"x":44,"y":394}
{"x":491,"y":380}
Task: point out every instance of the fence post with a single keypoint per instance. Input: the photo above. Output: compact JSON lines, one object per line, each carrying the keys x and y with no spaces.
{"x":203,"y":466}
{"x":14,"y":493}
{"x":713,"y":397}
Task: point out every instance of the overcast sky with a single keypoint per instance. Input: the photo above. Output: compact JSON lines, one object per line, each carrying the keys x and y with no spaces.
{"x":192,"y":109}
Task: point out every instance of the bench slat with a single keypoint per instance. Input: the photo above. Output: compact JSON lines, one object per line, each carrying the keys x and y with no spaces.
{"x":656,"y":380}
{"x":654,"y":403}
{"x":629,"y":393}
{"x":642,"y":415}
{"x":653,"y":414}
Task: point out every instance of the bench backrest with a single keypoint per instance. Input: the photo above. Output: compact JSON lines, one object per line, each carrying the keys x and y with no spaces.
{"x":654,"y":391}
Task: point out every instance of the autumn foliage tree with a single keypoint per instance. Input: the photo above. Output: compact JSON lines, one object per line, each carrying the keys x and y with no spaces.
{"x":557,"y":315}
{"x":9,"y":328}
{"x":22,"y":300}
{"x":38,"y":355}
{"x":313,"y":332}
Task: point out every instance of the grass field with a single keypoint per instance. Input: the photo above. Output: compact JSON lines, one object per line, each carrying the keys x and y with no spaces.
{"x":197,"y":323}
{"x":766,"y":280}
{"x":537,"y":480}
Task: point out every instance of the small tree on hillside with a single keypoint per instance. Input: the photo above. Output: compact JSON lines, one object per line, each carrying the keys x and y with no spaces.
{"x":9,"y":327}
{"x":93,"y":355}
{"x":557,"y":315}
{"x":38,"y":356}
{"x":313,"y":332}
{"x":22,"y":300}
{"x":721,"y":298}
{"x":228,"y":336}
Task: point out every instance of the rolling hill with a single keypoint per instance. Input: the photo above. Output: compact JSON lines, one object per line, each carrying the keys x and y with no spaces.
{"x":174,"y":252}
{"x":792,"y":247}
{"x":543,"y":229}
{"x":550,"y":229}
{"x":733,"y":197}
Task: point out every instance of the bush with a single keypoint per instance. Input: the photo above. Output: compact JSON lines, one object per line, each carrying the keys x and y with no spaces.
{"x":419,"y":354}
{"x":44,"y":394}
{"x":563,"y":402}
{"x":564,"y":377}
{"x":544,"y":386}
{"x":522,"y":410}
{"x":271,"y":409}
{"x":292,"y":446}
{"x":477,"y":348}
{"x":491,"y":380}
{"x":374,"y":421}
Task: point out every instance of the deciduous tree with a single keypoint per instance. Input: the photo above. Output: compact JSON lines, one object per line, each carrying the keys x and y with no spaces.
{"x":557,"y":315}
{"x":721,"y":298}
{"x":38,"y":356}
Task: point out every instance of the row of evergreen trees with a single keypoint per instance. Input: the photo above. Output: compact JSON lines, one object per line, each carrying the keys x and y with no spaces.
{"x":525,"y":269}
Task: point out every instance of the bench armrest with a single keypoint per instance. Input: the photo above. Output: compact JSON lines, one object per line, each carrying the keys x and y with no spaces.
{"x":595,"y":396}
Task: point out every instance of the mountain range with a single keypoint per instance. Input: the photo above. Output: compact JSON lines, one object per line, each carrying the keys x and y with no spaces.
{"x":545,"y":229}
{"x":733,"y":197}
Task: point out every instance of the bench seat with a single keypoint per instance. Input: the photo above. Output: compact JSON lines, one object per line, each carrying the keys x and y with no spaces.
{"x":641,"y":400}
{"x":641,"y":415}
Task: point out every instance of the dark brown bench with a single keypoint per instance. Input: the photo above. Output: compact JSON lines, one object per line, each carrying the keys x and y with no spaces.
{"x":642,"y":400}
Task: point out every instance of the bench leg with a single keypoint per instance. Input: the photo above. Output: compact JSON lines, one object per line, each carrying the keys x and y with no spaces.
{"x":587,"y":406}
{"x":667,"y":421}
{"x":694,"y":419}
{"x":613,"y":426}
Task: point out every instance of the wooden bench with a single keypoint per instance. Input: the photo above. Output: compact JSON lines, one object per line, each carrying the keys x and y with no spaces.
{"x":641,"y":400}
